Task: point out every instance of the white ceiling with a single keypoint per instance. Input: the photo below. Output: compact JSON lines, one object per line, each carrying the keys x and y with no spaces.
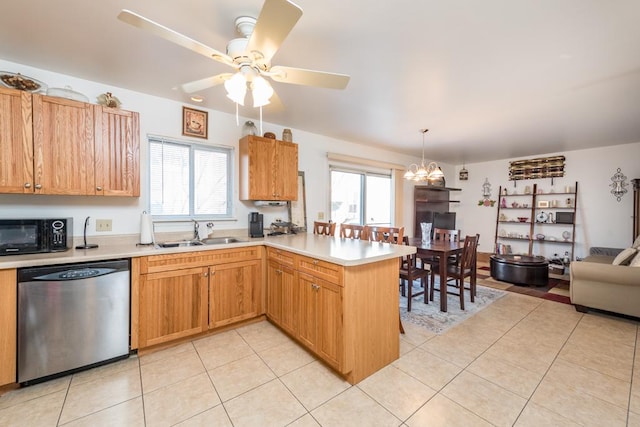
{"x":491,"y":79}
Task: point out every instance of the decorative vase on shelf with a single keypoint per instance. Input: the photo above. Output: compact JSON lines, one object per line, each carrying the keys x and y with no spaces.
{"x":249,"y":128}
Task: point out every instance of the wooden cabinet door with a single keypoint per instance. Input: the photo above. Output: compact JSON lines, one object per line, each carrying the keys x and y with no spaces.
{"x":330,"y":333}
{"x":8,"y":325}
{"x":274,"y":292}
{"x":308,"y":314}
{"x":117,"y":155}
{"x":173,"y":304}
{"x":16,"y":142}
{"x":235,"y":292}
{"x":286,"y":179}
{"x":320,"y":318}
{"x":257,"y":167}
{"x":289,"y":289}
{"x":63,"y":143}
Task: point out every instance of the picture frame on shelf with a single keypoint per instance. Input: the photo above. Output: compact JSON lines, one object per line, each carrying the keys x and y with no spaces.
{"x":195,"y":123}
{"x":543,"y":203}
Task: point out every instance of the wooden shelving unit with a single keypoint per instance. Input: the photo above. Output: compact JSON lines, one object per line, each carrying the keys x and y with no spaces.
{"x":530,"y":207}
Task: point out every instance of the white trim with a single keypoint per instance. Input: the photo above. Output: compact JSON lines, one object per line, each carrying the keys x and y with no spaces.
{"x":343,"y":158}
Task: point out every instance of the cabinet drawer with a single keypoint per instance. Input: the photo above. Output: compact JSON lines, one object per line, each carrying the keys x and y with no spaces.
{"x":281,"y":256}
{"x":168,"y":262}
{"x":324,"y":270}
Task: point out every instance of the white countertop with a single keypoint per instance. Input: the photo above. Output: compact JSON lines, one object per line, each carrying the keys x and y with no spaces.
{"x":345,"y":252}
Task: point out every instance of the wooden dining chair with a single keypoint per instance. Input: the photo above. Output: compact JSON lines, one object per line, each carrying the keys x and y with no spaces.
{"x":324,"y":228}
{"x":410,"y":272}
{"x":465,"y":268}
{"x":376,"y":233}
{"x":352,"y":231}
{"x":446,"y":235}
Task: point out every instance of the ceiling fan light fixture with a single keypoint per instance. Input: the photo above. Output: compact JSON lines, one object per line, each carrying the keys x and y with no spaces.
{"x":262,"y":91}
{"x":236,"y":88}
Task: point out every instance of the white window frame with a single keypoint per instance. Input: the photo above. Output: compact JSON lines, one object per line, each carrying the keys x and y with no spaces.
{"x":229,"y":151}
{"x":365,"y":171}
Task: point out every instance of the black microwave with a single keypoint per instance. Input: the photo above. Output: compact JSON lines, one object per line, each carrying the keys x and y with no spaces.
{"x":38,"y":235}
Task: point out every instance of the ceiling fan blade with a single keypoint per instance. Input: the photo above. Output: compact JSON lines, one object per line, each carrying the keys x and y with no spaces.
{"x":205,"y":83}
{"x":300,"y":76}
{"x":172,"y":36}
{"x":276,"y":20}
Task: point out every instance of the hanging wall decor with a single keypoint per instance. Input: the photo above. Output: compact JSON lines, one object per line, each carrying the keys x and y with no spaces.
{"x":619,"y":184}
{"x":545,"y":167}
{"x":486,"y":194}
{"x":464,"y":174}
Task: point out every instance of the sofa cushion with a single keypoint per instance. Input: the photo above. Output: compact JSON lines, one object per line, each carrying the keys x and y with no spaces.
{"x":636,"y":243}
{"x":624,"y":257}
{"x":635,"y":262}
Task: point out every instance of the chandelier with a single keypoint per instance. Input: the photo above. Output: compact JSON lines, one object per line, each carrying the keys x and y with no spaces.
{"x":430,"y":172}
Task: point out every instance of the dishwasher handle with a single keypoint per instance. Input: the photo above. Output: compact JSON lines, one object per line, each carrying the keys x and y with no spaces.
{"x":75,"y":274}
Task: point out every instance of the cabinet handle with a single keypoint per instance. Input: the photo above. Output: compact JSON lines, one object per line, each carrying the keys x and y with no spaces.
{"x":27,"y":185}
{"x":38,"y":186}
{"x":279,"y":271}
{"x":315,"y":262}
{"x":99,"y":188}
{"x":315,"y":287}
{"x":206,"y":274}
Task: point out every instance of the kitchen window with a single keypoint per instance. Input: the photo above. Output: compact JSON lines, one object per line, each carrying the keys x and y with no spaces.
{"x":189,"y":180}
{"x":361,"y":196}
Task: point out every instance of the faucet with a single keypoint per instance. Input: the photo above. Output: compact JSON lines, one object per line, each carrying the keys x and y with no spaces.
{"x":196,"y":230}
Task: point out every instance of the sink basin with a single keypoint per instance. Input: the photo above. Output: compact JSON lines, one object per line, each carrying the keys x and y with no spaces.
{"x":220,"y":240}
{"x":180,"y":243}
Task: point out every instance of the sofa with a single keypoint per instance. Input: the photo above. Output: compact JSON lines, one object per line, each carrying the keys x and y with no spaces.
{"x":597,"y":283}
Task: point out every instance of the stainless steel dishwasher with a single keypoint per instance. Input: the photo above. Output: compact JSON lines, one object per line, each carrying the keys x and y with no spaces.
{"x":71,"y":317}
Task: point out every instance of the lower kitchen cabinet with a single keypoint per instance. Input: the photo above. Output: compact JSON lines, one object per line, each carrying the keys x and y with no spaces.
{"x":8,"y":325}
{"x":234,"y":292}
{"x":173,"y":304}
{"x":282,"y":296}
{"x":189,"y":293}
{"x":320,"y":320}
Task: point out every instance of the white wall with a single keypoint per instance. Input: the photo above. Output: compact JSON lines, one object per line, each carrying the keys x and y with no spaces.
{"x":163,"y":117}
{"x":601,"y":219}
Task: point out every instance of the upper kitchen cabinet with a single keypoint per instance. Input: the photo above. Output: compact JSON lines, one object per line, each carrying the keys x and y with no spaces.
{"x":268,"y":169}
{"x":16,"y":142}
{"x":117,"y":153}
{"x":63,"y":146}
{"x":51,"y":145}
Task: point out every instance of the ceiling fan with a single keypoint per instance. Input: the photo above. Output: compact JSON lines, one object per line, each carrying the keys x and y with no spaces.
{"x":250,"y":55}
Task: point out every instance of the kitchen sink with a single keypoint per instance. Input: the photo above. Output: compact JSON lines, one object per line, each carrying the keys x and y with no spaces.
{"x":180,"y":243}
{"x":220,"y":240}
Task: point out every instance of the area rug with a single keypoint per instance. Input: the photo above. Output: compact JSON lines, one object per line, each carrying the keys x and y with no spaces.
{"x":429,"y":315}
{"x":557,"y":289}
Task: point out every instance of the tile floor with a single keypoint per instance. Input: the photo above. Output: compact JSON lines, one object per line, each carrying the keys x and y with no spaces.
{"x":521,"y":361}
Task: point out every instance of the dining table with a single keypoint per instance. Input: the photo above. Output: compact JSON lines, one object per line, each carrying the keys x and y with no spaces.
{"x":442,"y":249}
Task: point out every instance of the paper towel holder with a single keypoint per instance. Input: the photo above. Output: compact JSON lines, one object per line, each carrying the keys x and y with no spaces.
{"x":152,"y":242}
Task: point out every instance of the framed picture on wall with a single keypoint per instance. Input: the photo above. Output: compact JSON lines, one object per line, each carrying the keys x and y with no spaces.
{"x":543,"y":203}
{"x":195,"y":122}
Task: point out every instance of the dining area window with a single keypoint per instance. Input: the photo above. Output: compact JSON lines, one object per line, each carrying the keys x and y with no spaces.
{"x":361,"y":196}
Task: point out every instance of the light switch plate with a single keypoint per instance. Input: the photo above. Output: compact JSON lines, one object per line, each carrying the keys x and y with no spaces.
{"x":320,"y":215}
{"x":103,"y":225}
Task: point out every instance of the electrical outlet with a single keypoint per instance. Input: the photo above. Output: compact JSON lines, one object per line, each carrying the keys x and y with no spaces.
{"x":103,"y":225}
{"x":320,"y":215}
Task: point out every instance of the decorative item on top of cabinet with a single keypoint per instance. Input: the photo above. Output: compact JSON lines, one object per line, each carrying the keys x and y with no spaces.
{"x":108,"y":100}
{"x":287,"y":135}
{"x":268,"y":169}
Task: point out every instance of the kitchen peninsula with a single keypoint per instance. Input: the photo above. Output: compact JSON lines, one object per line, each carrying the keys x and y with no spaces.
{"x":336,"y":297}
